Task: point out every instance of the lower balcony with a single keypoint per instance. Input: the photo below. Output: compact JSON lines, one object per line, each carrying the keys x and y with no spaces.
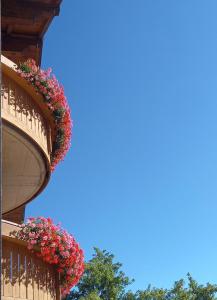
{"x":25,"y":276}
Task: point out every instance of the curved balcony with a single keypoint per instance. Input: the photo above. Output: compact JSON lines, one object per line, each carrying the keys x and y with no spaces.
{"x":24,"y":276}
{"x":27,"y":139}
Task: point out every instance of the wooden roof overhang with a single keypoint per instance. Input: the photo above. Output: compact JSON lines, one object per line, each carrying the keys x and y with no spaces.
{"x":23,"y":25}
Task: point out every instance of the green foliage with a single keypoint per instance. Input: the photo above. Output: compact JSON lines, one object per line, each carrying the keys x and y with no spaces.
{"x":103,"y":277}
{"x":24,"y":68}
{"x":104,"y":280}
{"x":180,"y":291}
{"x":58,"y":114}
{"x":60,"y":137}
{"x":91,"y":296}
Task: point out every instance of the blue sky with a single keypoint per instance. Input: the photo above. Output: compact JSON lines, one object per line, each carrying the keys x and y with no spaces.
{"x":140,"y":179}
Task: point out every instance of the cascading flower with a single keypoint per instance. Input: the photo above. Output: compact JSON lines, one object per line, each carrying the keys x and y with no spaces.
{"x":55,"y":99}
{"x":55,"y":246}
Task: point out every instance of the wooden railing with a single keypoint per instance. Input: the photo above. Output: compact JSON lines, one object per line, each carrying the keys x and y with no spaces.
{"x":19,"y":109}
{"x":24,"y":108}
{"x":24,"y":276}
{"x":28,"y":126}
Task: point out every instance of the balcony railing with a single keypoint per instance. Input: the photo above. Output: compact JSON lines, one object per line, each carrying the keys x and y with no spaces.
{"x":23,"y":107}
{"x":24,"y":276}
{"x":28,"y":134}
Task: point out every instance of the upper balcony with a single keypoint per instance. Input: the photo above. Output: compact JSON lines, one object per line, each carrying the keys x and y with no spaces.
{"x":28,"y":134}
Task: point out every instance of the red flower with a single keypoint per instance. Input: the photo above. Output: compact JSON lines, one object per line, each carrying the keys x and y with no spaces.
{"x":54,"y":98}
{"x":66,"y":253}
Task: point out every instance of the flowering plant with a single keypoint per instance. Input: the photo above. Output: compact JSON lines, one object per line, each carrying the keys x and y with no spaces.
{"x":55,"y":246}
{"x":55,"y":99}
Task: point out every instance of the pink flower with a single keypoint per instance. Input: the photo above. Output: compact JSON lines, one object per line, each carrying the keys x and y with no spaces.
{"x":54,"y":98}
{"x":32,"y":234}
{"x":56,"y":246}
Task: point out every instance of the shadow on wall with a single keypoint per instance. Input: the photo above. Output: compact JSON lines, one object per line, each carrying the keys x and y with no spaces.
{"x":26,"y":276}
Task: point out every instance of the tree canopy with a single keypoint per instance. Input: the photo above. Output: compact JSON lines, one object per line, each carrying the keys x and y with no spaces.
{"x":103,"y":279}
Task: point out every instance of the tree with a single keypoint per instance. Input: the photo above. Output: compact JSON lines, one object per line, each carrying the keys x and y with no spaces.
{"x":91,"y":296}
{"x":102,"y":278}
{"x":179,"y":291}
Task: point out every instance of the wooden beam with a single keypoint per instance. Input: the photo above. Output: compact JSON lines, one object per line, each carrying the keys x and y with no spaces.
{"x":28,"y":9}
{"x":24,"y":23}
{"x":16,"y":216}
{"x":15,"y":42}
{"x":18,"y":57}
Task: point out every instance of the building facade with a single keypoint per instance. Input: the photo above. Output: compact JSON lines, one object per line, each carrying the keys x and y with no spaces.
{"x":28,"y":136}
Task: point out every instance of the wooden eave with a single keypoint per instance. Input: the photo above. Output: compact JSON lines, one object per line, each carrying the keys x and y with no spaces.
{"x":23,"y":25}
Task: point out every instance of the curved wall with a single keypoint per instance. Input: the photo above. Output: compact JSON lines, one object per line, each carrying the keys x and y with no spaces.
{"x":27,"y":139}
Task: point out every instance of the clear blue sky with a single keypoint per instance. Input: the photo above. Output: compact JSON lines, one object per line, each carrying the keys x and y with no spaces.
{"x":140,"y":179}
